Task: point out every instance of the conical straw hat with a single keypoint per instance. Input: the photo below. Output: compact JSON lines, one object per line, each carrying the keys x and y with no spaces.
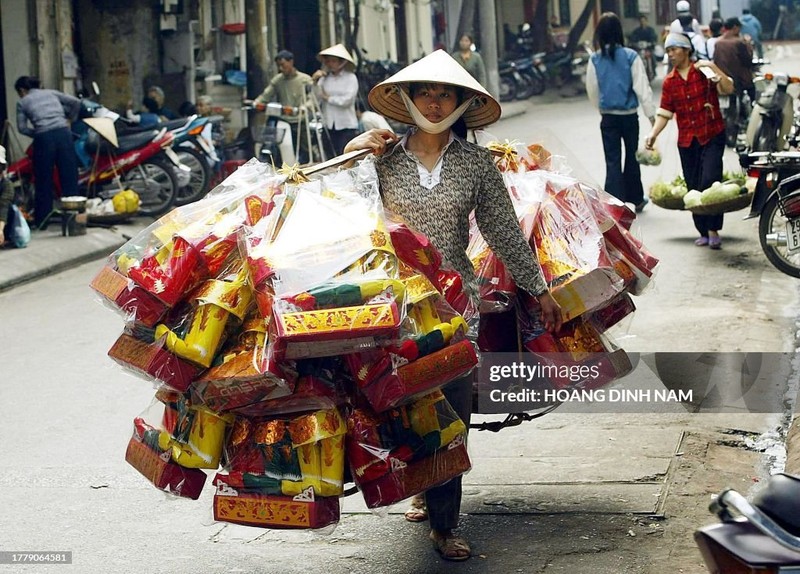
{"x":339,"y":51}
{"x":105,"y":127}
{"x":437,"y":68}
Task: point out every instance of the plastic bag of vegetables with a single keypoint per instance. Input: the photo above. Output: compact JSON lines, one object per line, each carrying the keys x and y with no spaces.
{"x":648,"y":156}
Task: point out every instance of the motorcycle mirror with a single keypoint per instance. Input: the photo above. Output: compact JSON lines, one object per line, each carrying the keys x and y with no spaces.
{"x":95,"y":89}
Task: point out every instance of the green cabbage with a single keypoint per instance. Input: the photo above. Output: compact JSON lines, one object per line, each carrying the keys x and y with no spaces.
{"x":720,"y":192}
{"x":692,"y":198}
{"x":660,"y":190}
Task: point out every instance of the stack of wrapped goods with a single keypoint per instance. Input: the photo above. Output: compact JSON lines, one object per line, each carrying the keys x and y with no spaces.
{"x":590,"y":259}
{"x":298,"y":338}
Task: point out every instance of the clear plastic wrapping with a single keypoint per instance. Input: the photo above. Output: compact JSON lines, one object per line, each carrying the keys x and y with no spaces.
{"x":405,"y":451}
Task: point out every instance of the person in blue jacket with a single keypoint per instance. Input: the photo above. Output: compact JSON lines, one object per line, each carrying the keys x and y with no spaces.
{"x":616,"y":82}
{"x":752,"y":27}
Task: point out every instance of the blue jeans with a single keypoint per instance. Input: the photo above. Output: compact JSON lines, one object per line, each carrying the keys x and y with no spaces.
{"x":53,"y":148}
{"x":623,"y":182}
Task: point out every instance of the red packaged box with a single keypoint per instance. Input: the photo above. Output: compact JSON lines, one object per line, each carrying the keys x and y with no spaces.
{"x":408,"y":479}
{"x":335,"y":331}
{"x":163,"y":472}
{"x":241,"y":381}
{"x":136,"y":302}
{"x":239,"y":505}
{"x":152,"y":360}
{"x":385,"y":389}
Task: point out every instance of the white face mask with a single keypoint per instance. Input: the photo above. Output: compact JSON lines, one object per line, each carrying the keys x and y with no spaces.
{"x":424,"y":123}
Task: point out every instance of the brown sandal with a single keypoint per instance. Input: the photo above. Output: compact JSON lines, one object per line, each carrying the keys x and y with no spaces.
{"x":451,"y":547}
{"x":418,"y":511}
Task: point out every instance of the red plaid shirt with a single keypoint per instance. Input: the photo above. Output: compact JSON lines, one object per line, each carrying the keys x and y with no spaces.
{"x":695,"y":104}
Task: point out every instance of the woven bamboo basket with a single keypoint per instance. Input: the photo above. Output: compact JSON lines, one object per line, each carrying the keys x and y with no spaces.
{"x":670,"y":202}
{"x":734,"y":204}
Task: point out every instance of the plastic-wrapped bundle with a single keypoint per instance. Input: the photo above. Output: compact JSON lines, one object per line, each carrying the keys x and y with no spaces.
{"x":283,"y":472}
{"x":405,"y":451}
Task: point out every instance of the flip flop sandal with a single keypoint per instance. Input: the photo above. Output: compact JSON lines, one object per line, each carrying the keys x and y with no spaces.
{"x":418,"y":511}
{"x":715,"y":242}
{"x":453,"y":548}
{"x":701,"y":241}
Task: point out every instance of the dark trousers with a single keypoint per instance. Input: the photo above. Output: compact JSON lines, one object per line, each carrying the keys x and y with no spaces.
{"x":53,"y":148}
{"x":444,"y":502}
{"x":623,"y":182}
{"x":338,"y":139}
{"x":702,"y":166}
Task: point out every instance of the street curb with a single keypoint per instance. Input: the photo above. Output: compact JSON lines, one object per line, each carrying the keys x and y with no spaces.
{"x":94,"y":254}
{"x":793,"y":447}
{"x":59,"y":267}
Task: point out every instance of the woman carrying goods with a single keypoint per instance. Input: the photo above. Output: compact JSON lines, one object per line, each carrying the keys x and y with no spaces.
{"x":690,"y":92}
{"x":433,"y":178}
{"x":337,"y":89}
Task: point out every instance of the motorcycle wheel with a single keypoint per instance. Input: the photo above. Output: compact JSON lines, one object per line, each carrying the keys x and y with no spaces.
{"x":538,"y":84}
{"x":766,"y":138}
{"x":199,"y":176}
{"x":772,"y":221}
{"x":155,"y":183}
{"x":508,"y":89}
{"x":524,"y":87}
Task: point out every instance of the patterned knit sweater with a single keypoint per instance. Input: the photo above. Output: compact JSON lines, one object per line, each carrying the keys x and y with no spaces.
{"x":469,"y":181}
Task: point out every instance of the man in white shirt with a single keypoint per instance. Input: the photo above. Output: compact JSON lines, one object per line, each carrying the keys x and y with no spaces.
{"x":687,"y":24}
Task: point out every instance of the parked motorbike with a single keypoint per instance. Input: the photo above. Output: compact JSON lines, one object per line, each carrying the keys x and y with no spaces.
{"x":273,"y":142}
{"x":563,"y":66}
{"x":762,"y":536}
{"x":533,"y":70}
{"x":513,"y":84}
{"x":645,"y":51}
{"x":736,"y":109}
{"x":771,"y":122}
{"x":776,"y":202}
{"x":143,"y":162}
{"x":198,"y":154}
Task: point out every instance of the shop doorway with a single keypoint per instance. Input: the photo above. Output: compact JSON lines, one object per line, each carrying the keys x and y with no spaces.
{"x":299,"y":32}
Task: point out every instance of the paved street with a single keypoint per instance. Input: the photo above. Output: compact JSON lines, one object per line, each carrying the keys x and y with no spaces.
{"x":599,"y":493}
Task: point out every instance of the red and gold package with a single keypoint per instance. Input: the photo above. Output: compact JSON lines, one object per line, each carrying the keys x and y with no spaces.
{"x":236,"y":503}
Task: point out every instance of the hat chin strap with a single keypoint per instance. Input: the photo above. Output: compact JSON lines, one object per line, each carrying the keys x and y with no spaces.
{"x":425,"y":124}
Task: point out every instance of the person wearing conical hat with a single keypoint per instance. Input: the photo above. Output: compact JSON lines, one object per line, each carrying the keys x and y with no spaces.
{"x":337,"y":89}
{"x":434,"y":179}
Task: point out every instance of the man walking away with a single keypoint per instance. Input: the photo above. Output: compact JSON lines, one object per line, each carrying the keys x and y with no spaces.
{"x":752,"y":27}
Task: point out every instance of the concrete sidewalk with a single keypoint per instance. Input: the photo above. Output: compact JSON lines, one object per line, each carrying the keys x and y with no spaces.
{"x":50,"y":252}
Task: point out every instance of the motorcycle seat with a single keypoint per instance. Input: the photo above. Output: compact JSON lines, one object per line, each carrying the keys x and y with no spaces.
{"x":173,"y":124}
{"x":126,"y":142}
{"x":780,"y":498}
{"x":748,"y":543}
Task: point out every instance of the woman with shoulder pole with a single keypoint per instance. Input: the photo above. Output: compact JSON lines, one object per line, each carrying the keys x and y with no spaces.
{"x":433,"y":178}
{"x":690,"y":93}
{"x":337,"y":88}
